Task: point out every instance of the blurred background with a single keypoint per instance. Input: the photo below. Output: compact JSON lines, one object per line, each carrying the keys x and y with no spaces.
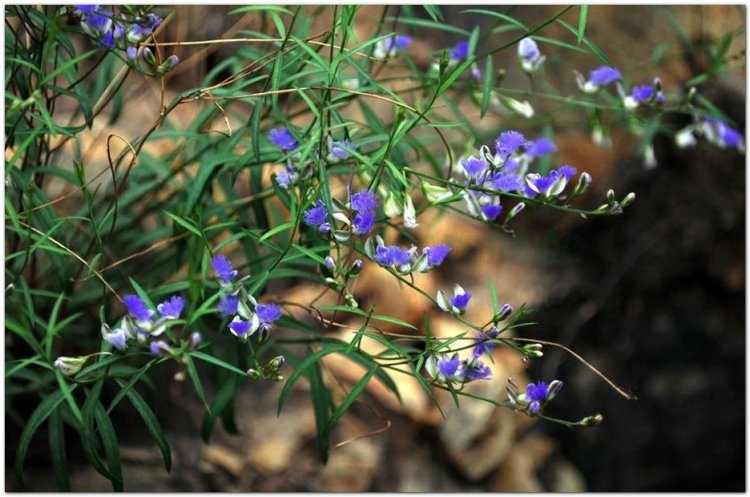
{"x":655,"y":299}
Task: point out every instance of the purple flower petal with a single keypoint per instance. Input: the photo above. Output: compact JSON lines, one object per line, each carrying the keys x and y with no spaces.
{"x":137,"y":308}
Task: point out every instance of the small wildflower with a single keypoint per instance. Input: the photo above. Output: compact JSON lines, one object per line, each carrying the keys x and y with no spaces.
{"x":460,"y":51}
{"x":85,"y":9}
{"x":171,"y":308}
{"x":476,"y":370}
{"x":341,"y":150}
{"x":390,"y":46}
{"x":363,"y":222}
{"x":195,"y":339}
{"x":436,"y":254}
{"x":317,"y":217}
{"x":599,"y":77}
{"x":529,"y":56}
{"x":506,"y":182}
{"x":117,"y":337}
{"x":287,"y":177}
{"x":228,"y":305}
{"x":721,"y":134}
{"x":474,"y":167}
{"x":482,"y":344}
{"x":447,"y":369}
{"x":131,"y":52}
{"x":139,"y":31}
{"x":243,"y":329}
{"x":540,"y":146}
{"x":329,"y":262}
{"x":491,"y":211}
{"x":283,"y":139}
{"x":455,"y":305}
{"x":508,"y":142}
{"x":364,"y":200}
{"x":223,"y":268}
{"x":137,"y":308}
{"x":159,"y":346}
{"x":268,"y":314}
{"x":567,"y":171}
{"x":392,"y":256}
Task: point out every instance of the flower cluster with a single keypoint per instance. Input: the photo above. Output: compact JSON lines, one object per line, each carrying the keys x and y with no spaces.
{"x":506,"y":171}
{"x":141,"y":322}
{"x":715,"y":131}
{"x":124,"y":32}
{"x":406,"y":261}
{"x":451,"y":369}
{"x":357,"y":216}
{"x":248,"y":316}
{"x":536,"y":396}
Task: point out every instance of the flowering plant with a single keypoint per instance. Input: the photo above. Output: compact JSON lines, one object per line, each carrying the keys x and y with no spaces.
{"x":286,"y":174}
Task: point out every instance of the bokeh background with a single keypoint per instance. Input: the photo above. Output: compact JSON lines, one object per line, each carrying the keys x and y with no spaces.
{"x":655,"y":299}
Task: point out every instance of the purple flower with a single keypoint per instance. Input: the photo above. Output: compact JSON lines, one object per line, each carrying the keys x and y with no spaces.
{"x":341,"y":149}
{"x":228,"y":305}
{"x":567,"y":171}
{"x":364,"y":200}
{"x":536,"y":393}
{"x":140,"y":30}
{"x":482,"y":345}
{"x":239,"y":327}
{"x":460,"y":51}
{"x":540,"y":146}
{"x":721,"y":134}
{"x":460,"y":301}
{"x":491,"y":211}
{"x":223,"y":269}
{"x":506,"y":182}
{"x":268,"y":313}
{"x":397,"y":42}
{"x":528,"y":50}
{"x":172,"y":307}
{"x":436,"y":254}
{"x":131,"y":52}
{"x":474,"y":166}
{"x":117,"y":337}
{"x":476,"y":370}
{"x":642,"y":93}
{"x":283,"y":139}
{"x":86,"y":9}
{"x":107,"y":40}
{"x":317,"y":217}
{"x":392,"y":255}
{"x":508,"y":142}
{"x":529,"y":56}
{"x":363,"y":222}
{"x":137,"y":308}
{"x":158,"y":346}
{"x":604,"y":75}
{"x":448,"y":367}
{"x":97,"y":20}
{"x":287,"y":177}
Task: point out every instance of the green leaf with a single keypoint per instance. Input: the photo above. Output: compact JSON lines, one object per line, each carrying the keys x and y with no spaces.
{"x":152,"y":424}
{"x":218,"y":362}
{"x":221,"y":402}
{"x":57,"y":450}
{"x":111,"y":447}
{"x":321,"y":399}
{"x":193,"y":373}
{"x":40,"y":414}
{"x":185,"y":223}
{"x":88,"y":432}
{"x":355,"y":392}
{"x":583,"y":15}
{"x":594,"y":49}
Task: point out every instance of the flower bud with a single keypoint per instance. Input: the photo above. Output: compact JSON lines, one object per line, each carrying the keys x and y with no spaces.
{"x":629,"y":199}
{"x":70,"y":365}
{"x":533,"y":350}
{"x":594,"y":420}
{"x":168,"y":64}
{"x":435,"y":194}
{"x":583,"y":184}
{"x":195,"y":339}
{"x":180,"y":376}
{"x":357,"y":266}
{"x":329,"y":262}
{"x":523,"y":108}
{"x":611,"y":197}
{"x":514,"y":211}
{"x":505,"y":311}
{"x":392,"y":208}
{"x":252,"y":373}
{"x":148,"y":56}
{"x":276,"y":363}
{"x":410,"y":214}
